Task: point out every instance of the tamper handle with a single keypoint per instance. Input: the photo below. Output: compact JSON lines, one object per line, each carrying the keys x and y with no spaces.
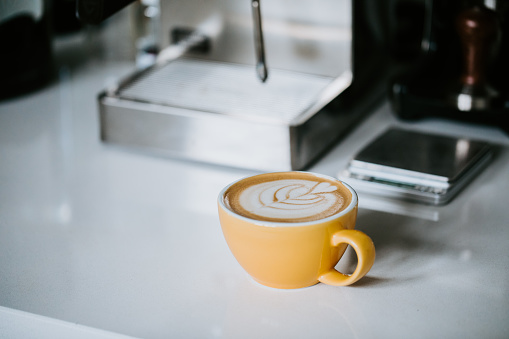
{"x":477,"y":28}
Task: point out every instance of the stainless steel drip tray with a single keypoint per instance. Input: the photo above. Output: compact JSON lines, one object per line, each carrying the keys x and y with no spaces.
{"x":219,"y":113}
{"x":229,"y":89}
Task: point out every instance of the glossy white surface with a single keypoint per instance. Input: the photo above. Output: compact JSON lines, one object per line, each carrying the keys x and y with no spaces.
{"x":94,"y":238}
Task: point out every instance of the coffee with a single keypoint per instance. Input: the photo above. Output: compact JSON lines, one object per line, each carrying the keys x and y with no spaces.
{"x":289,"y":229}
{"x":287,"y":197}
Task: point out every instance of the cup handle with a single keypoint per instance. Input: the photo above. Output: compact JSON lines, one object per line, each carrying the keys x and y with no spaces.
{"x":365,"y":249}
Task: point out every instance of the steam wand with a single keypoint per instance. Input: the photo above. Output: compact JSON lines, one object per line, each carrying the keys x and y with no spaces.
{"x":261,"y":65}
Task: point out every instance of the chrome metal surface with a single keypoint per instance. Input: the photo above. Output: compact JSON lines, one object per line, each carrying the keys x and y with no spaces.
{"x":218,"y":113}
{"x":261,"y":66}
{"x":418,"y":166}
{"x":471,"y":97}
{"x":228,"y":89}
{"x":207,"y":104}
{"x":299,"y":35}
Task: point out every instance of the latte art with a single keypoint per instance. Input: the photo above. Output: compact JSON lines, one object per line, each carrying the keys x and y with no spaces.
{"x":285,"y":197}
{"x":292,"y":199}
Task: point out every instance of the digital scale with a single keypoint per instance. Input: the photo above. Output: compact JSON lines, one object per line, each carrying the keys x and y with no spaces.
{"x":417,"y":167}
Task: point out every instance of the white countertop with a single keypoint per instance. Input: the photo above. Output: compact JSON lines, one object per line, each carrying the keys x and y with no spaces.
{"x":99,"y":242}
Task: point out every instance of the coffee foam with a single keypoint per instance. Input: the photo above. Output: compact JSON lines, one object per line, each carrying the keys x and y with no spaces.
{"x":287,"y":197}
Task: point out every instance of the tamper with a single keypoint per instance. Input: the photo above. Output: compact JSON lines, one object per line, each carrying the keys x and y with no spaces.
{"x":478,"y":31}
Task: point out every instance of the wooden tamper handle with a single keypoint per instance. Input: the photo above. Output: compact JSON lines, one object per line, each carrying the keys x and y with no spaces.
{"x":478,"y":29}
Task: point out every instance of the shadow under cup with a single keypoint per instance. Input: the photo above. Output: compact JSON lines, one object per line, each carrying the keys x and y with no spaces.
{"x":297,"y":254}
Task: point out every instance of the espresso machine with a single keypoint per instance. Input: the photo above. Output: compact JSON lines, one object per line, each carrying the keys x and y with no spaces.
{"x":249,"y":84}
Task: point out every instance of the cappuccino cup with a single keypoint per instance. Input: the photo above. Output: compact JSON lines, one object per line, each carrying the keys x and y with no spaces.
{"x":289,"y":229}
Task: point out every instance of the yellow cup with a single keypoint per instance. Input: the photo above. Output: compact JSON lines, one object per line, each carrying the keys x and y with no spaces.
{"x":301,"y":254}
